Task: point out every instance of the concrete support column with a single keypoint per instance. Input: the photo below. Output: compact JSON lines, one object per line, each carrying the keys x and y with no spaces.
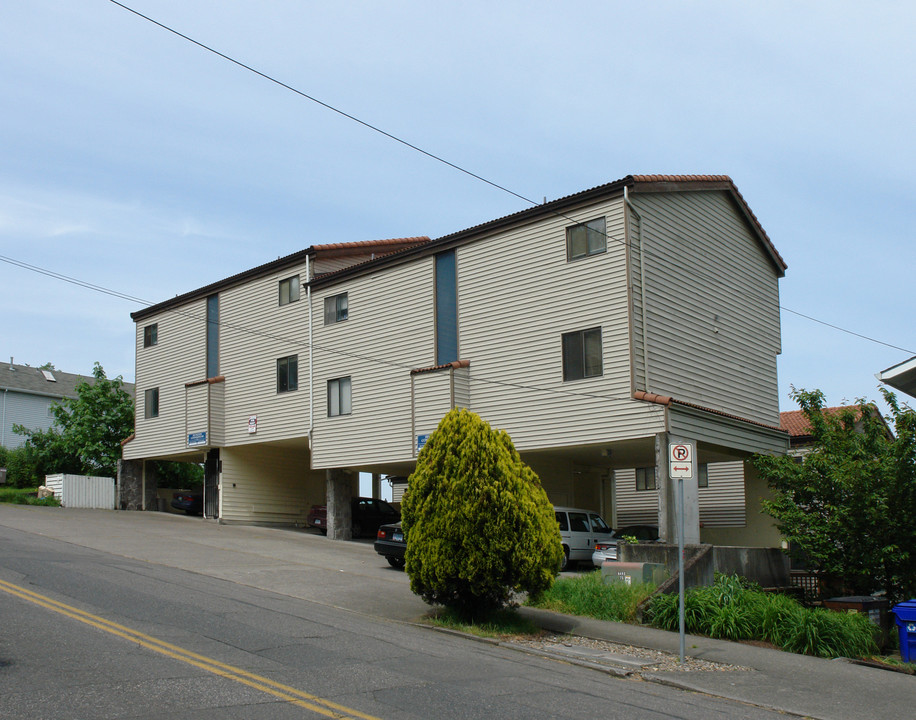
{"x":668,"y":494}
{"x":339,"y":494}
{"x":376,"y":485}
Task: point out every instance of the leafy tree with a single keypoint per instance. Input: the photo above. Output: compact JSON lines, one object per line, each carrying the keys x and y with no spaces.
{"x":849,"y":504}
{"x":479,"y":526}
{"x":88,"y":430}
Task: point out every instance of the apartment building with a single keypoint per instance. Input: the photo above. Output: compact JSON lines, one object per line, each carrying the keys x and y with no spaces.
{"x":593,"y":328}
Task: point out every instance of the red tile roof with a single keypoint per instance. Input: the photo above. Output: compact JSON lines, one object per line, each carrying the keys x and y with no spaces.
{"x":796,"y":424}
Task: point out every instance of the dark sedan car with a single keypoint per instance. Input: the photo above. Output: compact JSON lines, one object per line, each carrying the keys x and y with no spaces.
{"x":390,"y":543}
{"x":366,"y":513}
{"x":191,"y":501}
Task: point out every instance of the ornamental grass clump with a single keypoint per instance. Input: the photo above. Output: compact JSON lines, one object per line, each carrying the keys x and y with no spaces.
{"x":589,"y":595}
{"x":479,"y":525}
{"x":734,"y":609}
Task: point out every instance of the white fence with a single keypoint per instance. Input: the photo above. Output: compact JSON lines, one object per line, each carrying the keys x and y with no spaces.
{"x":81,"y":491}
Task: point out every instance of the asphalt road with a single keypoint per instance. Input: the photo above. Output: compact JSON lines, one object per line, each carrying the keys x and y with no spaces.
{"x":88,"y":634}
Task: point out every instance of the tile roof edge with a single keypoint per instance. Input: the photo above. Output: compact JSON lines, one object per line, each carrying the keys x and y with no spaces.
{"x":667,"y":401}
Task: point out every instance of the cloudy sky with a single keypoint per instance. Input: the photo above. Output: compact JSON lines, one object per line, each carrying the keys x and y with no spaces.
{"x":138,"y":162}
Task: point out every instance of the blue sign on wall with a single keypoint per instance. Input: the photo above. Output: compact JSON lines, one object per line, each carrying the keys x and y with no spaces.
{"x":421,"y":441}
{"x":198,"y":438}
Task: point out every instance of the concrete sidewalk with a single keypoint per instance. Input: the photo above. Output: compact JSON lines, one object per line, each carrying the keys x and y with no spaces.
{"x":351,"y":576}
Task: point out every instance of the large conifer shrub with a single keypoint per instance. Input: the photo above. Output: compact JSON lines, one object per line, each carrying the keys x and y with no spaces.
{"x":479,"y":526}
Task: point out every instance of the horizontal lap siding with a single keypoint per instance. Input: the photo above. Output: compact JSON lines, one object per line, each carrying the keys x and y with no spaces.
{"x":389,"y":331}
{"x":255,"y":332}
{"x":268,"y":484}
{"x":432,"y":400}
{"x":634,"y":507}
{"x":713,"y":305}
{"x":722,"y":504}
{"x":196,"y":400}
{"x":178,"y":358}
{"x":518,"y":294}
{"x":30,"y":411}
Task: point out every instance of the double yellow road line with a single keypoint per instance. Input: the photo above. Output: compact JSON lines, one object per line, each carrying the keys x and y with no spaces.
{"x":229,"y":672}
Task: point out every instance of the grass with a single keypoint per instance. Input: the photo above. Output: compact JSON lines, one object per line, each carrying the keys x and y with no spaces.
{"x":732,"y":609}
{"x":590,"y":596}
{"x":500,"y":624}
{"x":26,"y":496}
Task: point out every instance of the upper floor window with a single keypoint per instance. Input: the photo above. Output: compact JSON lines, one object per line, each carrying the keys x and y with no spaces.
{"x":446,"y":307}
{"x":645,"y":478}
{"x":288,"y":373}
{"x":585,"y":239}
{"x":151,"y":403}
{"x":339,"y":397}
{"x":212,"y":336}
{"x":151,"y":335}
{"x":582,"y":354}
{"x":336,"y":309}
{"x":289,"y":290}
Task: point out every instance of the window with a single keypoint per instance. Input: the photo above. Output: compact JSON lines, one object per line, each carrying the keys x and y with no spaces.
{"x":151,"y":403}
{"x":336,"y":309}
{"x":339,"y":397}
{"x":703,"y":475}
{"x":645,"y":478}
{"x":288,"y":374}
{"x":289,"y":290}
{"x":212,"y":336}
{"x":586,"y":239}
{"x":582,"y":354}
{"x":151,"y":335}
{"x":446,"y":308}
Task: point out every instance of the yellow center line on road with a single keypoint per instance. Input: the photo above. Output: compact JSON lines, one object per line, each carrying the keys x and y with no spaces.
{"x":258,"y":682}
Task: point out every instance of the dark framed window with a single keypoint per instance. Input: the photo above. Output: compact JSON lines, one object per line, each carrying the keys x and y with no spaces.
{"x":336,"y":309}
{"x":339,"y":400}
{"x":584,"y":239}
{"x":151,"y":335}
{"x":645,"y":478}
{"x":151,"y":403}
{"x":212,"y":336}
{"x":582,"y":354}
{"x":446,"y":308}
{"x":288,"y":373}
{"x":702,"y":475}
{"x":289,"y":290}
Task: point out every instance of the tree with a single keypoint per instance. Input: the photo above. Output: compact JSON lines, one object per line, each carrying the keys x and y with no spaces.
{"x":850,"y":504}
{"x":478,"y":524}
{"x":88,"y":430}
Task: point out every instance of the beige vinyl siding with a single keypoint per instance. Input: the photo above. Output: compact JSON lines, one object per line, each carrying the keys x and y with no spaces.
{"x":268,"y":484}
{"x":712,"y":305}
{"x":517,"y":296}
{"x":432,"y":400}
{"x":634,"y":507}
{"x":722,"y":503}
{"x":325,"y":265}
{"x":388,"y":333}
{"x":637,"y":334}
{"x":255,"y":332}
{"x":461,"y":379}
{"x":217,"y":413}
{"x":178,"y":358}
{"x":197,"y":410}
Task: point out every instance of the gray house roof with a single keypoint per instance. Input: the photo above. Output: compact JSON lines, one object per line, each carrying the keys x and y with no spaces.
{"x":51,"y":383}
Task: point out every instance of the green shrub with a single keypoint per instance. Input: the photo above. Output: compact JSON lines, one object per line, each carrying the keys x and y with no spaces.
{"x":590,"y":596}
{"x":479,"y":524}
{"x":25,"y":496}
{"x":733,"y":609}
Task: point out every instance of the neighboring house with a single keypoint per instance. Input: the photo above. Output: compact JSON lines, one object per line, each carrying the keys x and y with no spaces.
{"x":27,"y":395}
{"x":592,"y":329}
{"x":796,"y":424}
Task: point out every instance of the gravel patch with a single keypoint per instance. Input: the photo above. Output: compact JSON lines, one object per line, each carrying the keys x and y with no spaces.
{"x":635,"y":660}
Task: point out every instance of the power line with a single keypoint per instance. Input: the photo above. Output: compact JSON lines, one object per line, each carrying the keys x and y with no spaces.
{"x":850,"y":332}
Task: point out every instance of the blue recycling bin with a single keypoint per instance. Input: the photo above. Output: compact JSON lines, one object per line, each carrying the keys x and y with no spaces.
{"x":905,"y":614}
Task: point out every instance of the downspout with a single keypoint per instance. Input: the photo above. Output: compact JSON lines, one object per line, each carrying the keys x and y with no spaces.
{"x":308,"y":292}
{"x":642,"y":287}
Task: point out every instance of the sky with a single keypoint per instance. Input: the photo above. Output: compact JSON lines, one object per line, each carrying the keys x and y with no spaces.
{"x":140,"y":163}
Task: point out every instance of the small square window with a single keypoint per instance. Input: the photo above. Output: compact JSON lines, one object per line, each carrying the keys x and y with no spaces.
{"x":339,"y":397}
{"x":703,"y":475}
{"x":288,"y":374}
{"x":151,"y":403}
{"x":151,"y":335}
{"x":645,"y":478}
{"x":582,"y":354}
{"x":336,"y":309}
{"x":586,"y":239}
{"x":289,"y":290}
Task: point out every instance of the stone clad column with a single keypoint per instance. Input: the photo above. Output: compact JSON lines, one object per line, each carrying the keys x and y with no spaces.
{"x":339,"y":494}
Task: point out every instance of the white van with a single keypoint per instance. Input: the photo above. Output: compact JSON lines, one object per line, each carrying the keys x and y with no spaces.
{"x":580,"y":530}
